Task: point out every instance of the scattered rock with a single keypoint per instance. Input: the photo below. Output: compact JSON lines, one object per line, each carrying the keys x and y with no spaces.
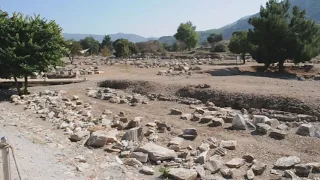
{"x":147,"y":170}
{"x":239,"y":123}
{"x":303,"y":170}
{"x":283,"y":127}
{"x":157,"y":152}
{"x":226,"y":173}
{"x":273,"y":123}
{"x":235,"y":163}
{"x":206,"y":119}
{"x":186,"y":117}
{"x":315,"y":167}
{"x":183,"y":174}
{"x":259,"y":119}
{"x":250,"y":174}
{"x":231,"y":145}
{"x":278,"y":134}
{"x":190,"y":133}
{"x":204,"y":147}
{"x":78,"y":136}
{"x":201,"y":159}
{"x":81,"y":159}
{"x":287,"y":162}
{"x":151,"y":124}
{"x":132,"y":162}
{"x":200,"y":170}
{"x":97,"y":139}
{"x":262,"y":128}
{"x":134,"y":134}
{"x":216,"y":122}
{"x":175,"y":112}
{"x":214,"y":165}
{"x":140,"y":156}
{"x":248,"y":158}
{"x":176,"y":141}
{"x":258,"y":168}
{"x":306,"y":130}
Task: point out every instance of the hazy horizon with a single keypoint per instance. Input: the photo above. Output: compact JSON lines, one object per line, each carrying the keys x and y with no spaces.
{"x":142,"y":17}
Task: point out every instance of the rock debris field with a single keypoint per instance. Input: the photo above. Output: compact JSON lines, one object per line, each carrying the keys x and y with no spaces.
{"x":82,"y":131}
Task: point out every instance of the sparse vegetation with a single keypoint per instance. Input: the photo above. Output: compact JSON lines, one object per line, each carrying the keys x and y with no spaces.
{"x":164,"y":172}
{"x":91,"y":44}
{"x":214,"y":38}
{"x":74,"y":48}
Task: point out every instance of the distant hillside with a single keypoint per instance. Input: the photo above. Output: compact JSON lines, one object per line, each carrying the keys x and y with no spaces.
{"x":312,"y":8}
{"x":131,"y":37}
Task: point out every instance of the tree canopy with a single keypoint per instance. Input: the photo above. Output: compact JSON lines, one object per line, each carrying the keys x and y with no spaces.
{"x":122,"y":48}
{"x":239,"y":44}
{"x":187,"y":33}
{"x":74,"y":48}
{"x":91,"y":44}
{"x":214,"y":38}
{"x":28,"y":45}
{"x":106,"y":42}
{"x":278,"y":35}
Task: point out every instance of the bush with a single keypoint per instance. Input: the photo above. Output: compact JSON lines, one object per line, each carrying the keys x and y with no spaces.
{"x":219,"y":47}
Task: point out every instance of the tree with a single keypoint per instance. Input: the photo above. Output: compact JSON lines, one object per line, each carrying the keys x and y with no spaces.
{"x":74,"y":48}
{"x":91,"y":44}
{"x":29,"y":45}
{"x":187,"y":33}
{"x":239,"y":44}
{"x":133,"y":48}
{"x":107,"y":42}
{"x":121,"y":47}
{"x":278,"y":35}
{"x":105,"y":51}
{"x":220,"y":47}
{"x":214,"y":38}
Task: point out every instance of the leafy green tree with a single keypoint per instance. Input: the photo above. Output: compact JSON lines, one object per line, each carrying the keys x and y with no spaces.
{"x":121,"y":47}
{"x":91,"y":44}
{"x":29,"y":45}
{"x":74,"y":48}
{"x":133,"y":48}
{"x":214,"y":38}
{"x":278,"y":35}
{"x":107,"y":42}
{"x":239,"y":44}
{"x":187,"y":33}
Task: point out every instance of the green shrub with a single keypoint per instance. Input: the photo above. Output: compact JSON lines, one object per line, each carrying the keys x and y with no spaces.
{"x":219,"y":47}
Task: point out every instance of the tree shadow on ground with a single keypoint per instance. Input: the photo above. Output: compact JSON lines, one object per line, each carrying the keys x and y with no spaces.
{"x":235,"y":71}
{"x":5,"y":94}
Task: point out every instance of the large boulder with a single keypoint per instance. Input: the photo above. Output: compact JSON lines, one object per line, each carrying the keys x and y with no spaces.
{"x":235,"y":163}
{"x":190,"y":133}
{"x":259,"y":119}
{"x":303,"y":170}
{"x":157,"y":152}
{"x":183,"y":174}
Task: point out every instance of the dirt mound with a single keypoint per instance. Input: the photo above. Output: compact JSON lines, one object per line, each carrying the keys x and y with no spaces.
{"x":220,"y":98}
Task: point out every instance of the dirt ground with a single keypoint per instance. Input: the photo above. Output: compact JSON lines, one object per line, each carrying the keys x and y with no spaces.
{"x":222,"y":77}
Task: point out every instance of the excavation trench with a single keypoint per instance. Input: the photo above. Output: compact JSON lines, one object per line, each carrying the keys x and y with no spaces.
{"x":221,"y":99}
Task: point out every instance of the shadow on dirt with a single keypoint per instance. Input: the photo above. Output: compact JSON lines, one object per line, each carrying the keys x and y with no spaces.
{"x":235,"y":71}
{"x":5,"y":94}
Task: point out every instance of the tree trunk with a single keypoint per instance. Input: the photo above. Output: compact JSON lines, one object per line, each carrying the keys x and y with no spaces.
{"x":266,"y":66}
{"x":243,"y":56}
{"x":17,"y":85}
{"x":25,"y":90}
{"x":71,"y":59}
{"x":281,"y":66}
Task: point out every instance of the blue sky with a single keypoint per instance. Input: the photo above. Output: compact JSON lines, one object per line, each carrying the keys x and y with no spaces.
{"x":143,"y":17}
